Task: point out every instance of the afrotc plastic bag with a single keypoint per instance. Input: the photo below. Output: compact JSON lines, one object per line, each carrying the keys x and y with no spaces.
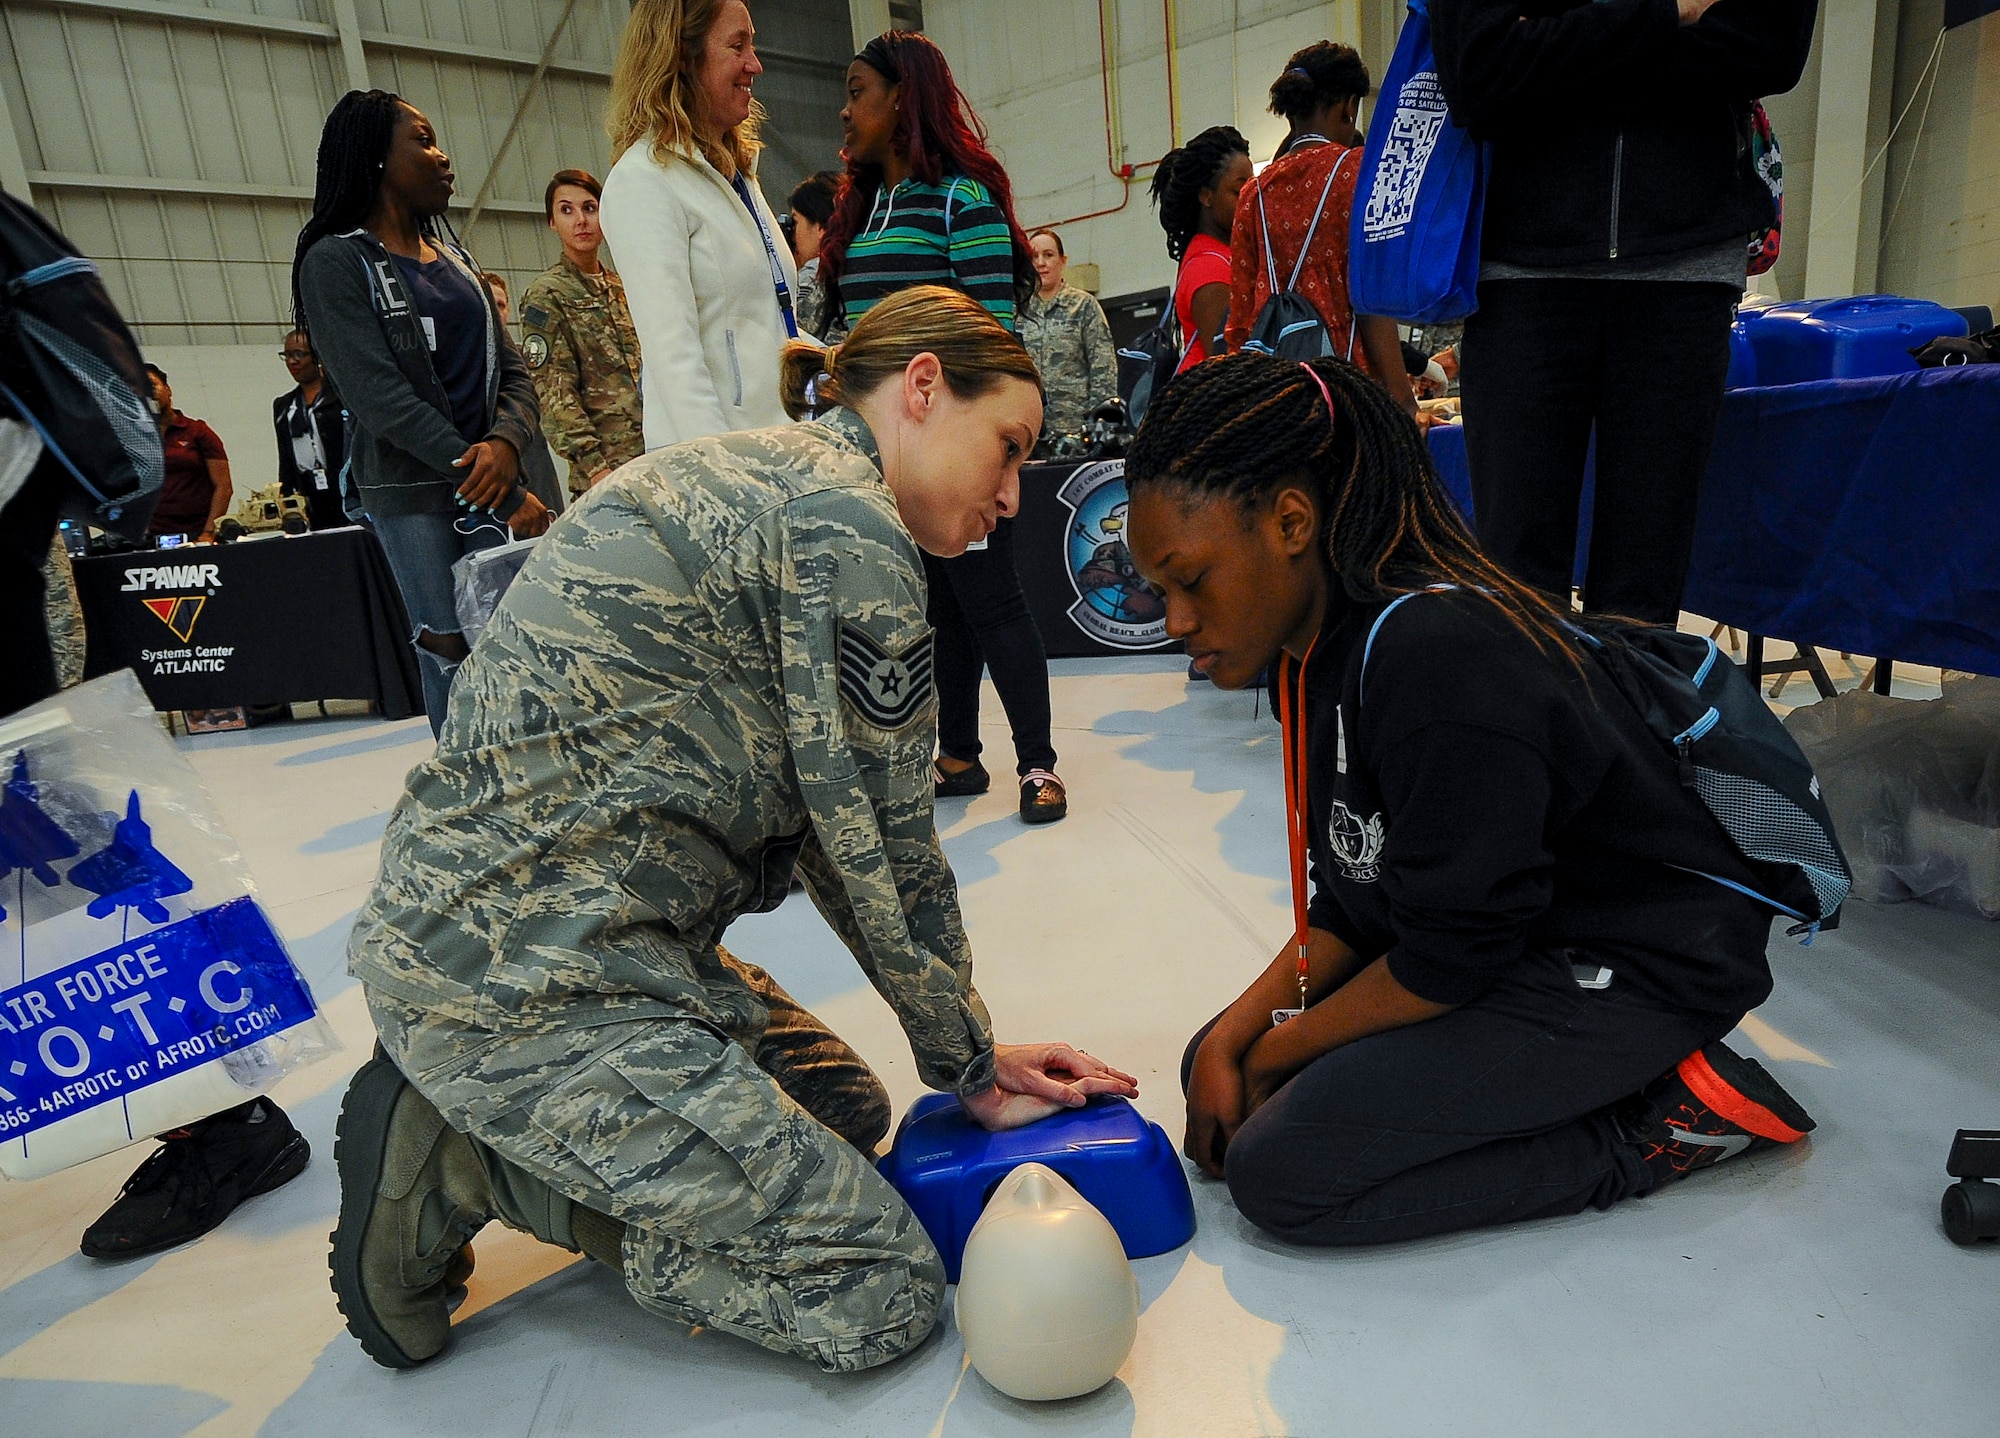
{"x":480,"y":580}
{"x":141,"y":986}
{"x":1914,"y":787}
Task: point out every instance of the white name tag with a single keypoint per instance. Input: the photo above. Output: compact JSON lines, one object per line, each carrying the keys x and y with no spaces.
{"x":430,"y":332}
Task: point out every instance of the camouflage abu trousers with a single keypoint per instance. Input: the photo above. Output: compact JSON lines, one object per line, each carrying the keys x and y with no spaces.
{"x":743,"y":1176}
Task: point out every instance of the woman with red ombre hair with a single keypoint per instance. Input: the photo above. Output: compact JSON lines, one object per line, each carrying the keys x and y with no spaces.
{"x":924,"y":202}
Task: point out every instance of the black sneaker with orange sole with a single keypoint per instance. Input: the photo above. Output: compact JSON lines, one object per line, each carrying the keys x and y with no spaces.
{"x":197,"y":1177}
{"x":1713,"y":1105}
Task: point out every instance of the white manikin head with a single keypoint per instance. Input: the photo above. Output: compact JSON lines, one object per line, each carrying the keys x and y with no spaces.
{"x":1047,"y":1304}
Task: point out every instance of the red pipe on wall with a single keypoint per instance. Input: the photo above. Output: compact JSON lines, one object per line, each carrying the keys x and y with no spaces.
{"x":1124,"y":174}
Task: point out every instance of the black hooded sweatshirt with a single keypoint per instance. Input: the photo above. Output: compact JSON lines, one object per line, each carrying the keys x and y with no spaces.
{"x":1617,"y":132}
{"x":1489,"y":801}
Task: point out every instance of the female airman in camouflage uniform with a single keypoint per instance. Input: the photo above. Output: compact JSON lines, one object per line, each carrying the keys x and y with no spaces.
{"x":714,"y":670}
{"x":578,"y":340}
{"x":1066,"y":332}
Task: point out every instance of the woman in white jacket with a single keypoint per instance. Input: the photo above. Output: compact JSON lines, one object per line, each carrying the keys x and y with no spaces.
{"x":707,"y":272}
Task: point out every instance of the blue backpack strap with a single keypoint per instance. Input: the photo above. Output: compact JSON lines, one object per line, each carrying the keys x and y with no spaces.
{"x":1374,"y":629}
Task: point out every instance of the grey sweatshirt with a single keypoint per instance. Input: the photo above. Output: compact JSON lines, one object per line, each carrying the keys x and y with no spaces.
{"x":370,"y":338}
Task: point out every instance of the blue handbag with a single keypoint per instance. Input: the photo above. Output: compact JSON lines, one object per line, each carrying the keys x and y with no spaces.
{"x":1413,"y":252}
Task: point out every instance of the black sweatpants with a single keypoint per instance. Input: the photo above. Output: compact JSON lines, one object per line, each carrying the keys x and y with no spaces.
{"x":983,"y":622}
{"x":1644,"y":363}
{"x":27,"y":524}
{"x":1498,"y":1111}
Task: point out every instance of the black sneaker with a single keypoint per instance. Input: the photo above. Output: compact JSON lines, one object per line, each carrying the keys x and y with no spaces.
{"x":1714,"y":1105}
{"x":962,"y":784}
{"x":197,"y":1177}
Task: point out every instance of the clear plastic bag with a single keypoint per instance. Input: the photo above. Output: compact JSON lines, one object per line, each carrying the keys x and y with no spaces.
{"x":479,"y":581}
{"x":1914,"y":786}
{"x":141,"y":986}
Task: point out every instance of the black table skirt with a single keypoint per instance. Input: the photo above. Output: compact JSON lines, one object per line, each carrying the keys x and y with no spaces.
{"x":268,"y":621}
{"x":1069,"y":546}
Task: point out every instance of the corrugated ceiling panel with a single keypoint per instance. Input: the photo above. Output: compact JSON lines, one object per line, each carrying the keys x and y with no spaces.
{"x":174,"y":100}
{"x":315,"y":10}
{"x":521,"y":26}
{"x":114,"y":95}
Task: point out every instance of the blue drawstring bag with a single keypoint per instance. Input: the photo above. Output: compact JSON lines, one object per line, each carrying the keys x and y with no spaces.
{"x":1413,"y":253}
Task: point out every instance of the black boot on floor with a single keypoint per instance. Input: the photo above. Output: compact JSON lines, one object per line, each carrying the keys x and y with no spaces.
{"x":1713,"y":1105}
{"x":197,"y":1177}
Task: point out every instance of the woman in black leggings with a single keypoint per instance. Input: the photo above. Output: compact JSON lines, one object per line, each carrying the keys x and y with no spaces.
{"x":924,"y":202}
{"x":1507,"y":994}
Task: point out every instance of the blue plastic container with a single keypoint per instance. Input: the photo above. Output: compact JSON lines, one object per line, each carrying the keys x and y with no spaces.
{"x":946,"y":1167}
{"x":1851,"y":338}
{"x":1742,"y":356}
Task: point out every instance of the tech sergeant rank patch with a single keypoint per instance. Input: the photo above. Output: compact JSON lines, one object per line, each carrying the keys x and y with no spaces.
{"x":888,"y":690}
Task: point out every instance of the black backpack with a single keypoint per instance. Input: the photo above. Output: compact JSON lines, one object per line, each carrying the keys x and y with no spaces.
{"x":1288,"y":326}
{"x":70,"y":369}
{"x":1146,"y":364}
{"x":1732,"y":751}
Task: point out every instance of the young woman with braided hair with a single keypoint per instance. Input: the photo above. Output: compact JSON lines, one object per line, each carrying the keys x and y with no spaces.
{"x":1195,"y":191}
{"x":1508,"y":991}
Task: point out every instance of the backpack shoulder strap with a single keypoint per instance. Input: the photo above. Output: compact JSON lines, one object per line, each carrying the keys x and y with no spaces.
{"x":1318,"y":212}
{"x":1368,"y":649}
{"x":1270,"y":258}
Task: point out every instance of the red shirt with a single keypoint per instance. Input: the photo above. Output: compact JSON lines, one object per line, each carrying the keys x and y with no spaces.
{"x":1290,"y":191}
{"x":188,"y":493}
{"x":1205,"y":263}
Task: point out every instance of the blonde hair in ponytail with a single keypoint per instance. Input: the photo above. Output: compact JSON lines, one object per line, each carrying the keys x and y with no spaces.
{"x":976,"y":351}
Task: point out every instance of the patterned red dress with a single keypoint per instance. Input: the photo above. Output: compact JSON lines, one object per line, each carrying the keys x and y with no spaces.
{"x":1289,"y":191}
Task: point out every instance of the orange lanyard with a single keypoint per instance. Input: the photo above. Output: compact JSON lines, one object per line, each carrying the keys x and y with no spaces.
{"x":1298,"y":805}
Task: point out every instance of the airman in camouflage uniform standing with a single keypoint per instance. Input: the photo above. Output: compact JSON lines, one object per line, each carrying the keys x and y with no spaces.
{"x":578,"y":340}
{"x":1067,"y":336}
{"x":716,"y":666}
{"x":1071,"y":343}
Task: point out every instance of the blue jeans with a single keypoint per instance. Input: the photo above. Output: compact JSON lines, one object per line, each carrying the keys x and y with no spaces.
{"x":421,"y":549}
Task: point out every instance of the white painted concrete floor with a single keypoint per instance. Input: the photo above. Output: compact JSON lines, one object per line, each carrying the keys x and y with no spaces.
{"x":1808,"y":1292}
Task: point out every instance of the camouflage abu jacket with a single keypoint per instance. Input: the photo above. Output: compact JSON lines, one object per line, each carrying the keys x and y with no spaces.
{"x":581,"y":349}
{"x":1070,"y":342}
{"x":714,"y":664}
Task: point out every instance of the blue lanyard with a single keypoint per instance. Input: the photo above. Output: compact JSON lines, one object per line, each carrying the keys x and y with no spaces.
{"x":742,"y":187}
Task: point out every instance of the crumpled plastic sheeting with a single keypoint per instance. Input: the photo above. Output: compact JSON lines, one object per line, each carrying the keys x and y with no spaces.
{"x":1914,"y":786}
{"x":480,"y":580}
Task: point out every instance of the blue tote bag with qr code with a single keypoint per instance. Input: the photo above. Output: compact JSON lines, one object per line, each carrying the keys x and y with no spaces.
{"x":1413,"y":252}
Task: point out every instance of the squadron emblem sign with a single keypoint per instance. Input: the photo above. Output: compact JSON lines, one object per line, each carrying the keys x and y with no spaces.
{"x":1114,"y":605}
